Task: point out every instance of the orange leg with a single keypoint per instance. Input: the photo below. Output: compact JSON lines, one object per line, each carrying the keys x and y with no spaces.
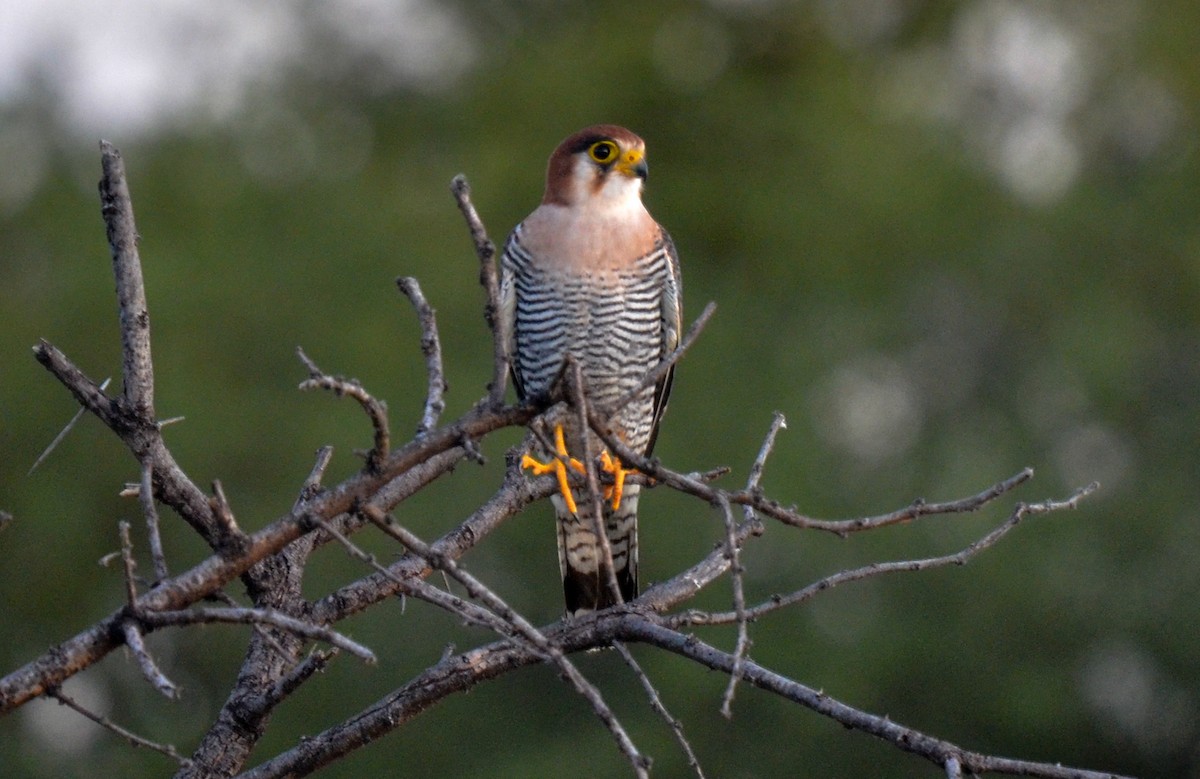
{"x":610,"y":464}
{"x":557,"y":467}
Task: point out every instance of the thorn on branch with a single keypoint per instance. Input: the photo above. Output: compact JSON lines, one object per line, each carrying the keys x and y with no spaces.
{"x":431,"y":348}
{"x":376,"y":409}
{"x":63,"y":433}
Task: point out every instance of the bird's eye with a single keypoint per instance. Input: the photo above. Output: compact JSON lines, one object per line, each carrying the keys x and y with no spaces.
{"x":603,"y":151}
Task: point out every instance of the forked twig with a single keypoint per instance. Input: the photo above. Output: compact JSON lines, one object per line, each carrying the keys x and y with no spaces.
{"x":961,"y":557}
{"x":733,"y":547}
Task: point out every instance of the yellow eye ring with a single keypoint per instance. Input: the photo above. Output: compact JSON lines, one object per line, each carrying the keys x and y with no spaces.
{"x":603,"y":152}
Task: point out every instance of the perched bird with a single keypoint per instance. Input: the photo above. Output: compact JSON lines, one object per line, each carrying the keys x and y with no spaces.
{"x":590,"y":275}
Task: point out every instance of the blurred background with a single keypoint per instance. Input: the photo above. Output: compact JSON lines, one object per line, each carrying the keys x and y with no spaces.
{"x":947,"y":240}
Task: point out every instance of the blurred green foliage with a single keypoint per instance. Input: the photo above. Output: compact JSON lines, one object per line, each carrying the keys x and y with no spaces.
{"x":939,"y":273}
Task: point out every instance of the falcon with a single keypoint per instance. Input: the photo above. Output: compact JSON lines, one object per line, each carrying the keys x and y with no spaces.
{"x":592,"y":276}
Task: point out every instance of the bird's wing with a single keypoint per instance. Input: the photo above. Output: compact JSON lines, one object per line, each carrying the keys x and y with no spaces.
{"x":672,"y":325}
{"x":506,"y":316}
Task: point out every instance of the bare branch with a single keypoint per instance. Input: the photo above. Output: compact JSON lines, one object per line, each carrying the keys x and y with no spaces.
{"x":313,"y":664}
{"x":468,"y":612}
{"x":525,"y":630}
{"x":376,"y":409}
{"x":312,"y":485}
{"x":961,"y":557}
{"x":117,"y":209}
{"x":732,"y":549}
{"x":752,"y":498}
{"x":131,"y":595}
{"x":431,"y":347}
{"x":172,"y":486}
{"x":907,"y":739}
{"x":485,"y":250}
{"x":133,"y":640}
{"x":106,"y":723}
{"x":146,"y":496}
{"x":660,"y":709}
{"x":243,"y":616}
{"x":423,"y":461}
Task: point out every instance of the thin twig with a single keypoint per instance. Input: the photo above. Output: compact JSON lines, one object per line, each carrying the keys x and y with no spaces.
{"x":376,"y":409}
{"x":523,"y":628}
{"x":742,"y":646}
{"x":660,"y":708}
{"x":223,"y":512}
{"x":470,"y":613}
{"x":133,"y":640}
{"x":245,"y":616}
{"x":431,"y":348}
{"x":961,"y":557}
{"x":127,"y":561}
{"x":608,"y":572}
{"x":63,"y":433}
{"x":789,"y":516}
{"x":312,"y":485}
{"x":938,"y":751}
{"x":116,"y":207}
{"x":146,"y":496}
{"x":313,"y":664}
{"x":104,"y":722}
{"x":733,"y":546}
{"x":485,"y":250}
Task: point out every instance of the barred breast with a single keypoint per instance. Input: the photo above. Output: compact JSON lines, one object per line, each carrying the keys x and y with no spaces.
{"x":610,"y":320}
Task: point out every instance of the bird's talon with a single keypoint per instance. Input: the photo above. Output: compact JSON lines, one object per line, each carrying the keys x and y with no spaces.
{"x":557,"y":467}
{"x":612,"y":465}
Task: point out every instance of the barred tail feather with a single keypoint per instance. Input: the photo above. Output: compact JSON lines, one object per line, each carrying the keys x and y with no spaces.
{"x":585,"y":584}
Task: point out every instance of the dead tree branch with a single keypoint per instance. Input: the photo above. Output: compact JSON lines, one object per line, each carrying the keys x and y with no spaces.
{"x":271,"y":563}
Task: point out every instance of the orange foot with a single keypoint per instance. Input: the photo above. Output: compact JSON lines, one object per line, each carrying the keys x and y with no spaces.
{"x":610,"y":464}
{"x":557,"y":466}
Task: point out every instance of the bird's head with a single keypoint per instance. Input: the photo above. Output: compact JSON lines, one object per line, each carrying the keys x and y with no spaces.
{"x":604,"y":164}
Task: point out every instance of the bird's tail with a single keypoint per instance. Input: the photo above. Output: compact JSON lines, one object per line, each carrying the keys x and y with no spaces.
{"x":580,"y":556}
